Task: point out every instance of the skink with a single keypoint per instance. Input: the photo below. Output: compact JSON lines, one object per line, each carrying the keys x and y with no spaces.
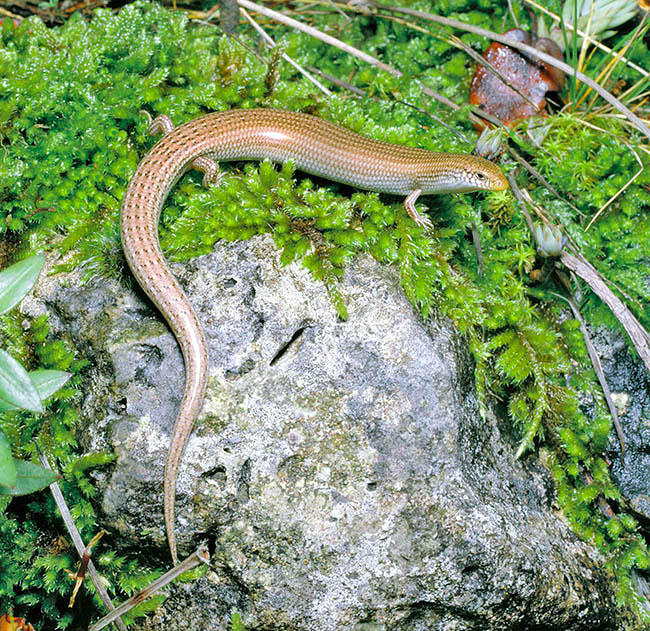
{"x":317,"y":147}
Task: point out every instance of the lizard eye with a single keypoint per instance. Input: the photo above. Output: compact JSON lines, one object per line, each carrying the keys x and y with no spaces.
{"x":481,"y":177}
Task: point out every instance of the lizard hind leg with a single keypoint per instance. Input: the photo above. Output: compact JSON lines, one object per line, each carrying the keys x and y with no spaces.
{"x":161,"y":124}
{"x":209,"y":167}
{"x":210,"y":170}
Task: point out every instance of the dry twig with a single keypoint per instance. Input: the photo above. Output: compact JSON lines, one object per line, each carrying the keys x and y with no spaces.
{"x":200,"y":555}
{"x":79,"y":545}
{"x":639,"y":336}
{"x":598,"y":367}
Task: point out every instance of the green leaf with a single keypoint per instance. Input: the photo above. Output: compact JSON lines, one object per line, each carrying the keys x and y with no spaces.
{"x":47,"y":382}
{"x":17,"y":392}
{"x":30,"y":477}
{"x":7,"y":466}
{"x":17,"y":280}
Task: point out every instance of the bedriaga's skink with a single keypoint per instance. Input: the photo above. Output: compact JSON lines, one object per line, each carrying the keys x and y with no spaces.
{"x":317,"y":147}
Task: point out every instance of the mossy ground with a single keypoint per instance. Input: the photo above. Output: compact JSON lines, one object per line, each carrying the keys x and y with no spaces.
{"x":72,"y":136}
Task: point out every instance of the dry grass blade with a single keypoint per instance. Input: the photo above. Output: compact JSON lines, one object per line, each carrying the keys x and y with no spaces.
{"x":11,"y":15}
{"x":286,"y":57}
{"x":522,"y":201}
{"x":80,"y":575}
{"x":359,"y":54}
{"x":611,"y":65}
{"x":626,"y":185}
{"x":541,"y":179}
{"x":339,"y":83}
{"x":620,"y":190}
{"x":585,"y":41}
{"x":362,"y":93}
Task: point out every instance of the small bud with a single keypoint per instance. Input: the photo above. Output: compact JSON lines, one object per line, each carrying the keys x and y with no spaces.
{"x":550,"y":240}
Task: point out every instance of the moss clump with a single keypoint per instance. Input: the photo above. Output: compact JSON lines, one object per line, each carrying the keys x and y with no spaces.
{"x":33,"y":580}
{"x":72,"y":136}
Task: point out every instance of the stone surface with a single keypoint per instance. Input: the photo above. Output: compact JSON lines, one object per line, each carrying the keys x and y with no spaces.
{"x":629,"y":382}
{"x":340,"y":471}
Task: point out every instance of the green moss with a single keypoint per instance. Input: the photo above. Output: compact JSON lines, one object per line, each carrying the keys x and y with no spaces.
{"x":72,"y":136}
{"x":33,"y":580}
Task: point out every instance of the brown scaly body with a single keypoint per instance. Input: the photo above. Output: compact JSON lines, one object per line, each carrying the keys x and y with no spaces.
{"x":317,"y":147}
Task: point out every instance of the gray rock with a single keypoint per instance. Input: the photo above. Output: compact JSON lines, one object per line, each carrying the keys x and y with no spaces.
{"x":340,"y":470}
{"x":629,"y":382}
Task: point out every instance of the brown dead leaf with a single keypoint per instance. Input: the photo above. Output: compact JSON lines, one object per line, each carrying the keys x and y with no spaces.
{"x":11,"y":623}
{"x":531,"y":78}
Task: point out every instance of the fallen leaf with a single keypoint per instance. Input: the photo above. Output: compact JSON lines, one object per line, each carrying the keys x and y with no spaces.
{"x":11,"y":623}
{"x":532,"y":78}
